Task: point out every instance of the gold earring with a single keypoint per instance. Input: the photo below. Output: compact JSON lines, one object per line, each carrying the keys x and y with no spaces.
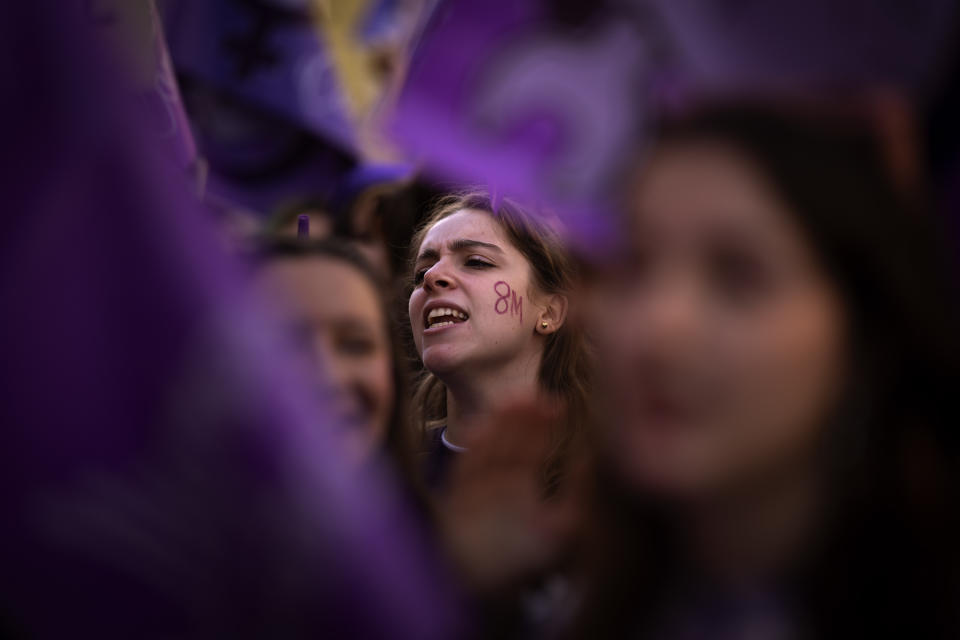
{"x":543,"y":325}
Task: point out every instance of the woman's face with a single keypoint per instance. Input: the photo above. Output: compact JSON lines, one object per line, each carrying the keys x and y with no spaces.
{"x":471,"y":311}
{"x":334,"y":313}
{"x":722,"y":342}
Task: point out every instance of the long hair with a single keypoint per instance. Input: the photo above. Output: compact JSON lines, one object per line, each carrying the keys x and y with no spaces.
{"x":564,"y":368}
{"x":886,"y":564}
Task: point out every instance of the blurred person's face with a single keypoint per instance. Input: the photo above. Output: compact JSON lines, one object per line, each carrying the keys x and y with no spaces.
{"x":471,"y":310}
{"x":722,"y":342}
{"x":334,"y":312}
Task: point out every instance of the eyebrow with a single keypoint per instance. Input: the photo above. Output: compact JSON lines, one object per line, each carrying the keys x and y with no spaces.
{"x":461,"y":244}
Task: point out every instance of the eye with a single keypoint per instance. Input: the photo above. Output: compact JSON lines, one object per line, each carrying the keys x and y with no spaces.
{"x":356,"y":340}
{"x":628,"y":269}
{"x":419,"y":275}
{"x":476,"y":262}
{"x":740,"y":276}
{"x":356,"y":346}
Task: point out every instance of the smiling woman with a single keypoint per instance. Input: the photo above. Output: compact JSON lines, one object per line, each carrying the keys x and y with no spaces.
{"x":489,"y":318}
{"x":333,"y":307}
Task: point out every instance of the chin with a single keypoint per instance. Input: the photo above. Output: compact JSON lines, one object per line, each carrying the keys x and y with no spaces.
{"x":666,"y":482}
{"x":663,"y":471}
{"x":441,"y":360}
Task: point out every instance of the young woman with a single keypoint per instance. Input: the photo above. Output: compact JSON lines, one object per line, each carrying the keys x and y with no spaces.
{"x":489,"y":316}
{"x":333,"y":303}
{"x":780,"y":354}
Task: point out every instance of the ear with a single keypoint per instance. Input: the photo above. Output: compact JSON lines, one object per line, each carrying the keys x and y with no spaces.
{"x":553,"y":315}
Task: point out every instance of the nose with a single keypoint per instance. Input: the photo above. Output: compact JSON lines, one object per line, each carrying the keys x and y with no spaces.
{"x":438,"y":277}
{"x":673,"y":313}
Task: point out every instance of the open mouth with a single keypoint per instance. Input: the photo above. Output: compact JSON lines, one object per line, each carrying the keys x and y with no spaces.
{"x":443,"y":317}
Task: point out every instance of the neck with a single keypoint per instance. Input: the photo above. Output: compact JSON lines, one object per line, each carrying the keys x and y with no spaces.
{"x":755,"y":533}
{"x":472,"y":400}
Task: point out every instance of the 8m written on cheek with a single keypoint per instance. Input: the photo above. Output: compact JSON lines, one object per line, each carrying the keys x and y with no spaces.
{"x":507,"y":297}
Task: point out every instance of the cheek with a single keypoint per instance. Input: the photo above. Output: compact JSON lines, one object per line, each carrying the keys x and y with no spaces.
{"x":374,"y":377}
{"x":618,"y":323}
{"x":501,"y":311}
{"x":415,"y":312}
{"x":415,"y":306}
{"x":377,"y":378}
{"x":764,"y":385}
{"x":507,"y":301}
{"x":784,"y":377}
{"x":384,"y":385}
{"x":614,"y":318}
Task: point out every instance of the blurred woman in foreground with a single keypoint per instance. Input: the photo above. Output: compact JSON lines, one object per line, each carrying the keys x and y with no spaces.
{"x":778,"y":456}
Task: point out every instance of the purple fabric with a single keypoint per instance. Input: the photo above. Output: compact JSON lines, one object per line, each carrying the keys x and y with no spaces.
{"x":265,"y":52}
{"x":167,"y":94}
{"x":163,"y":470}
{"x":263,"y":100}
{"x":818,"y":44}
{"x":500,"y":93}
{"x":493,"y":96}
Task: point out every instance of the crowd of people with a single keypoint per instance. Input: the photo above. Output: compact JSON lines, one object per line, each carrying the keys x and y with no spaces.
{"x":398,"y":406}
{"x":738,"y":422}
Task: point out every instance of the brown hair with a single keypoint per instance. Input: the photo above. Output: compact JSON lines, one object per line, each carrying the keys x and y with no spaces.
{"x":564,"y":368}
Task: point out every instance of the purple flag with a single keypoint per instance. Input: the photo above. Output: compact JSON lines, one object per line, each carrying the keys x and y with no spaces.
{"x":263,"y":99}
{"x":265,"y":52}
{"x":550,"y":101}
{"x":495,"y":96}
{"x":164,"y":471}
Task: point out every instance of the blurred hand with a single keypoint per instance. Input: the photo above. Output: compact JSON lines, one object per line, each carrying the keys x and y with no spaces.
{"x":498,"y":526}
